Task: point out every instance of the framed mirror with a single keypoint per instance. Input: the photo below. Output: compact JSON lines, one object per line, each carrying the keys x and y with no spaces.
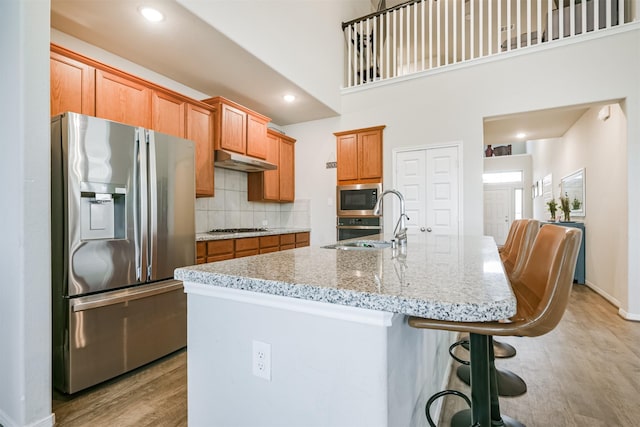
{"x":573,"y":185}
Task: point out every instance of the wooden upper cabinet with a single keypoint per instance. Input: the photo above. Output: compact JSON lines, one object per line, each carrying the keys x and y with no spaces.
{"x":275,"y":185}
{"x":287,"y":169}
{"x":168,"y":113}
{"x":359,"y":155}
{"x":257,"y":136}
{"x":122,"y":99}
{"x":233,"y":129}
{"x":347,"y":157}
{"x":72,"y":86}
{"x":271,"y":190}
{"x":370,"y":155}
{"x":239,"y":129}
{"x":200,"y":130}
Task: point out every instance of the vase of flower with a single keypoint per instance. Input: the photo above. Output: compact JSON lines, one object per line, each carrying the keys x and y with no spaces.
{"x":565,"y":206}
{"x":552,"y":205}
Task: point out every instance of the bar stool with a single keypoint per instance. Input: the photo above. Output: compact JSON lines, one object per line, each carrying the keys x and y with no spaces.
{"x":509,"y":383}
{"x":542,"y":291}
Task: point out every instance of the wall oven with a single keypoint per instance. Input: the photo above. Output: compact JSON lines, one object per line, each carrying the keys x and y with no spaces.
{"x":358,"y":227}
{"x":357,"y":200}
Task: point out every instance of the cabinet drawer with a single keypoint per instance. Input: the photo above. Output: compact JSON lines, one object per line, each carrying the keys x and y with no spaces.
{"x":302,"y":238}
{"x":249,"y":252}
{"x":287,"y":246}
{"x":201,"y":252}
{"x":271,"y":249}
{"x":214,"y":258}
{"x":247,"y":243}
{"x":287,"y":239}
{"x":269,"y":242}
{"x":219,"y":247}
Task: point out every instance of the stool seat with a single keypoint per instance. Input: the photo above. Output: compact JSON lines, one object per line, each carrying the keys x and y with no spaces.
{"x":542,"y":291}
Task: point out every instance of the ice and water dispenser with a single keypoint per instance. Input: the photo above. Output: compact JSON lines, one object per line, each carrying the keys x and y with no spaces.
{"x":102,"y":211}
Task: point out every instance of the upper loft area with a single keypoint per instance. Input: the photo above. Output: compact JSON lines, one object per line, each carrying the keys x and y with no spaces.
{"x":422,"y":35}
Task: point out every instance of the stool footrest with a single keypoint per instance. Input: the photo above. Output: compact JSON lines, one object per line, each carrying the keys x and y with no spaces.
{"x":432,"y":399}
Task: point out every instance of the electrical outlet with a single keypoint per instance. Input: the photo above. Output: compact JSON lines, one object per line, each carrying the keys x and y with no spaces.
{"x":261,"y":360}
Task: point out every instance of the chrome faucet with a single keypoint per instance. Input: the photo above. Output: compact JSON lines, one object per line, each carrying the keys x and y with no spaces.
{"x":400,"y":230}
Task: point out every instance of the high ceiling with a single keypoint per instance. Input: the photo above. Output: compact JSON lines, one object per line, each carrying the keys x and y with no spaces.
{"x":188,"y":50}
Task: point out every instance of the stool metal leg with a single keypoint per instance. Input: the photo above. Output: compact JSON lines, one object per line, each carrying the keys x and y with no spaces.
{"x":480,"y":388}
{"x":468,"y":418}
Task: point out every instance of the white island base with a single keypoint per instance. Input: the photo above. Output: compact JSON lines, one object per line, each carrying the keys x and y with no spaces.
{"x":331,"y":365}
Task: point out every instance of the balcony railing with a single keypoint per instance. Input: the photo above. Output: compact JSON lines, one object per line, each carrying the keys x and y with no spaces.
{"x":421,"y":35}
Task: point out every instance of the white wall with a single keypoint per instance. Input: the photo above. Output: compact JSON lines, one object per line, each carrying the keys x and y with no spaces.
{"x":450,"y":106}
{"x":600,"y":148}
{"x":302,"y":40}
{"x":25,"y":314}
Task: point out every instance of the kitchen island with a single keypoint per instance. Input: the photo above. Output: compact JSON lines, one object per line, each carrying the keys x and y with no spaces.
{"x":331,"y":326}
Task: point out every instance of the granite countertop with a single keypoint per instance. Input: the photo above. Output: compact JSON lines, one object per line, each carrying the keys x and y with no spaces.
{"x":458,"y":278}
{"x":268,"y":232}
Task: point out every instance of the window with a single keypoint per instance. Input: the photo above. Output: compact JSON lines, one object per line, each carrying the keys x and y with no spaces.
{"x":517,"y":199}
{"x":501,"y":177}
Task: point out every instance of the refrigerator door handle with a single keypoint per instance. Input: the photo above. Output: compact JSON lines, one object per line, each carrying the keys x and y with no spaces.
{"x":153,"y":208}
{"x":137,"y":231}
{"x":117,"y":297}
{"x":144,"y":203}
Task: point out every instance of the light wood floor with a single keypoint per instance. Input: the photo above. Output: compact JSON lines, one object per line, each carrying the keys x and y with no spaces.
{"x":154,"y":395}
{"x":584,"y":373}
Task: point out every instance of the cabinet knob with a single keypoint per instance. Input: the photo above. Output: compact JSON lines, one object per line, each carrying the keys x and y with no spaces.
{"x":422,"y":229}
{"x":429,"y":230}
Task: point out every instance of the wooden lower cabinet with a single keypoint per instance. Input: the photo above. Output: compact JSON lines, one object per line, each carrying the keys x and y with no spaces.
{"x":269,"y":244}
{"x":201,"y":252}
{"x":219,"y":250}
{"x":247,"y":246}
{"x":287,"y":241}
{"x":302,"y":239}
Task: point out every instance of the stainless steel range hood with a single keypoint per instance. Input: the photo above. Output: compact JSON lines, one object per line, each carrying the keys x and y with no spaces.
{"x":239,"y":162}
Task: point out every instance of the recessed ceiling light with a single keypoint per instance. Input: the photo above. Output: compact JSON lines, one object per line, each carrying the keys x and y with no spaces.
{"x":289,"y":98}
{"x":151,"y":14}
{"x":521,"y":135}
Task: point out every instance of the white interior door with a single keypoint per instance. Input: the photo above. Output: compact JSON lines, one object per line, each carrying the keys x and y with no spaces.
{"x":429,"y":180}
{"x":498,"y":214}
{"x":411,"y":182}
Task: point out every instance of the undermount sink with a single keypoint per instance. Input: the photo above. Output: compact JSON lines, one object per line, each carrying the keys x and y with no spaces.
{"x":360,"y":245}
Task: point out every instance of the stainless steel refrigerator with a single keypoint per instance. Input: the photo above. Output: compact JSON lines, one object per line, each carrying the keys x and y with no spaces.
{"x":122,"y":215}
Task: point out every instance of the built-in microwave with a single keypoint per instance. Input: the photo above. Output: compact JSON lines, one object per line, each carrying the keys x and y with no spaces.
{"x":357,"y":199}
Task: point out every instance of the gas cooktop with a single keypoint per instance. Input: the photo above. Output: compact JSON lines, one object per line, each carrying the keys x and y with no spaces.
{"x":236,"y":230}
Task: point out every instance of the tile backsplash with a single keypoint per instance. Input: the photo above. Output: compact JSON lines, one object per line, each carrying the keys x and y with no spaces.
{"x":230,"y":208}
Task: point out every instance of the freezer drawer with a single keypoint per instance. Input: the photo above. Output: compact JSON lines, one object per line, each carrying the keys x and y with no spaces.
{"x":114,"y":332}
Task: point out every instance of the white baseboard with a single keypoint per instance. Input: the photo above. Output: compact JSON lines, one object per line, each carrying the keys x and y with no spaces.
{"x":629,"y":316}
{"x":48,"y":421}
{"x":621,"y":312}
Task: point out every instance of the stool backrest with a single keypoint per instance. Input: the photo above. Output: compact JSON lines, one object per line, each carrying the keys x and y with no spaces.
{"x":518,"y":260}
{"x":544,"y":286}
{"x":509,"y":240}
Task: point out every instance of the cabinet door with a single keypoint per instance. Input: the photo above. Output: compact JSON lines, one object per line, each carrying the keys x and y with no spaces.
{"x":271,"y":190}
{"x":287,"y":170}
{"x":233,"y":129}
{"x":370,"y":155}
{"x":168,"y":114}
{"x":72,"y":86}
{"x":200,"y":130}
{"x":347,"y":147}
{"x":256,"y":137}
{"x":122,"y":100}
